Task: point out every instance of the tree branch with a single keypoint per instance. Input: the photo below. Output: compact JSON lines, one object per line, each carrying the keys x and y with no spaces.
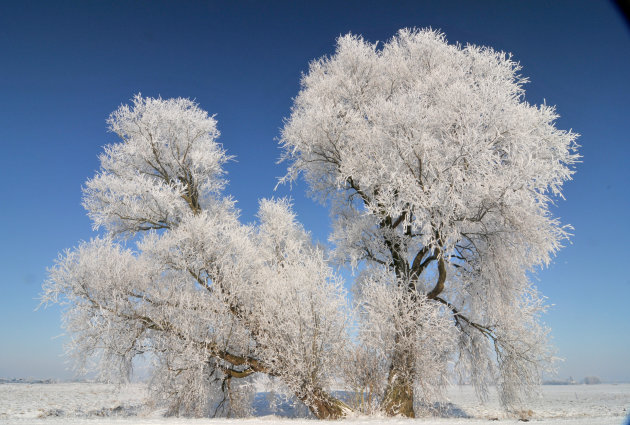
{"x":485,"y":330}
{"x":418,"y":266}
{"x":439,"y":286}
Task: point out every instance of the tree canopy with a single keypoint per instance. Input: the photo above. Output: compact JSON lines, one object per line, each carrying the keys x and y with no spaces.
{"x":208,"y":299}
{"x":440,"y":175}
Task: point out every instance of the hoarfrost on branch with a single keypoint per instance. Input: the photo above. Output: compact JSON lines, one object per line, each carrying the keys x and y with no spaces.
{"x":178,"y":277}
{"x":440,"y":176}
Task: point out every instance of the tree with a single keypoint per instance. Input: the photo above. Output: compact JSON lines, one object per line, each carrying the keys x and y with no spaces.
{"x":440,"y":176}
{"x":592,"y":380}
{"x":176,"y":277}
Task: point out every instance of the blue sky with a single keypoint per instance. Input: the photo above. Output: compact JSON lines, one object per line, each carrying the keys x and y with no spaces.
{"x":64,"y":66}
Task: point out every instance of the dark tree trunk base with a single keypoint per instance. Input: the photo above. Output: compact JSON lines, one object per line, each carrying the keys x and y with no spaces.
{"x":325,"y":406}
{"x":398,"y":399}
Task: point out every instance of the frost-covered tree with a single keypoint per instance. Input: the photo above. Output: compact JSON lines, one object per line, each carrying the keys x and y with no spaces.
{"x":440,"y":175}
{"x":177,"y":277}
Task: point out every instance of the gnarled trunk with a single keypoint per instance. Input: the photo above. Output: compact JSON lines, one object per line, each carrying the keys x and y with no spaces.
{"x":398,"y":399}
{"x":323,"y":405}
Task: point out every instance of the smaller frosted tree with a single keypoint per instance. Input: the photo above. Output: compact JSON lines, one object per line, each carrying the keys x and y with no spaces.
{"x":176,"y":276}
{"x":440,"y":177}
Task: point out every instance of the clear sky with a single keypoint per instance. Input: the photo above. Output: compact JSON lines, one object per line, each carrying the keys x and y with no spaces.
{"x":64,"y":66}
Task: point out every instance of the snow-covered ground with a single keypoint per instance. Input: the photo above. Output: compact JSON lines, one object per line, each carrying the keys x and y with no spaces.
{"x":87,"y":403}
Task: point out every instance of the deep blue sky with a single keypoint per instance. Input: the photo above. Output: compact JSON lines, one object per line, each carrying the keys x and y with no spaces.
{"x":64,"y":66}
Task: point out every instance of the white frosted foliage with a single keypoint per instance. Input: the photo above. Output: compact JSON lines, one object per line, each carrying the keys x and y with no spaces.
{"x":440,"y":172}
{"x":179,"y":280}
{"x":167,"y":164}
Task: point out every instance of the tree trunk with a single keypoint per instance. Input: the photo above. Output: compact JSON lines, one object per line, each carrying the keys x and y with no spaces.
{"x":398,"y":400}
{"x":323,"y":405}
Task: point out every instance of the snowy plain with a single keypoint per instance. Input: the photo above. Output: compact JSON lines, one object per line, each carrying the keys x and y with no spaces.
{"x":92,"y":403}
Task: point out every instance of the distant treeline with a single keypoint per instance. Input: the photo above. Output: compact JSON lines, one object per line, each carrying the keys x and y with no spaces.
{"x":589,"y":380}
{"x":27,"y":381}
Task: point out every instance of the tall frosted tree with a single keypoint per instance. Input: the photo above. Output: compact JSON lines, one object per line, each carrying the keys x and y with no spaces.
{"x":440,"y":176}
{"x":178,"y":278}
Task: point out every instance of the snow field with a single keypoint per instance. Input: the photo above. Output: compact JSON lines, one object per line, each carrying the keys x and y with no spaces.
{"x":89,"y":403}
{"x":38,"y":401}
